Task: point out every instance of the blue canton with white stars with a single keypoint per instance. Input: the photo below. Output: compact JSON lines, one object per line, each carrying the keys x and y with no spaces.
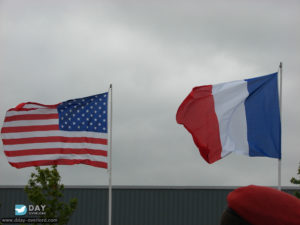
{"x":84,"y":114}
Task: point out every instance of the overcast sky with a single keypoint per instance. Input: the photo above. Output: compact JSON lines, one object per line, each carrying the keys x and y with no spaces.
{"x":153,"y":53}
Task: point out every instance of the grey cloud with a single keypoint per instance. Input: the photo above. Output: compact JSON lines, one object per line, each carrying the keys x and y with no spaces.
{"x":153,"y":53}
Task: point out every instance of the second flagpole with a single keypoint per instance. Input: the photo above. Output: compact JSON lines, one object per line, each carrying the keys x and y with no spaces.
{"x":110,"y":159}
{"x":280,"y":108}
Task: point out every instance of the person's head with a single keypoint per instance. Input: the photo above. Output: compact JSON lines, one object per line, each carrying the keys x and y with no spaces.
{"x":231,"y":217}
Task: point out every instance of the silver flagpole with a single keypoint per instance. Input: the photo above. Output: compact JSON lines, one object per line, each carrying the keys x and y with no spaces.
{"x":280,"y":108}
{"x":110,"y":160}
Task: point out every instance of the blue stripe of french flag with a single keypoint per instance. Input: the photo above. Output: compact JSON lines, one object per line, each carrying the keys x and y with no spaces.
{"x":240,"y":116}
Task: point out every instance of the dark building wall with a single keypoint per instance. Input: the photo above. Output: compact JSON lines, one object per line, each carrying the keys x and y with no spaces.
{"x":135,"y":205}
{"x":168,"y":206}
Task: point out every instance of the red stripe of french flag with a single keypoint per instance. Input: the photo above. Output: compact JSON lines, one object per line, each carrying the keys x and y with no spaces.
{"x":197,"y":114}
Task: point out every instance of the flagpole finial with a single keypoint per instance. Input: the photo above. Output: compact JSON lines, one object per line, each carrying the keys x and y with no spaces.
{"x":110,"y":86}
{"x":280,"y":65}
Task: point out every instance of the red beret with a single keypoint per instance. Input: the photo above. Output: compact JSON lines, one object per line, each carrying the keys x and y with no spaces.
{"x":263,"y":206}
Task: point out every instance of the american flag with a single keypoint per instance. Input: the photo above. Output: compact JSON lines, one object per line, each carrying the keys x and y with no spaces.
{"x":71,"y":132}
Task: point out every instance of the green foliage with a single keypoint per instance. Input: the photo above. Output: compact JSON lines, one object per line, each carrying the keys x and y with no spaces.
{"x":296,"y":181}
{"x":44,"y":188}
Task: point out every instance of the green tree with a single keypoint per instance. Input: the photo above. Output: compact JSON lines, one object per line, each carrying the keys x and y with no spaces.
{"x":296,"y":181}
{"x":44,"y":188}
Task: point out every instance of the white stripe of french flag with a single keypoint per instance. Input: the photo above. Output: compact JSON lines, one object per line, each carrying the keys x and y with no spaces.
{"x":239,"y":116}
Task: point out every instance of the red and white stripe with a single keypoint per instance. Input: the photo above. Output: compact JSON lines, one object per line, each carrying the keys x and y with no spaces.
{"x":31,"y":137}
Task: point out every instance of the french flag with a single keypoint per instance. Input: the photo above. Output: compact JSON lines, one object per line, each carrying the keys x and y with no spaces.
{"x":240,"y":116}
